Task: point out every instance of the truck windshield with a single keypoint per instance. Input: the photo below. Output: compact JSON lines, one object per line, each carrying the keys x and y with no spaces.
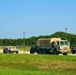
{"x":63,"y":43}
{"x":66,"y":43}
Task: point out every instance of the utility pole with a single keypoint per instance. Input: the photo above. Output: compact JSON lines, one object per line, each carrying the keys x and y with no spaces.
{"x":24,"y":40}
{"x":66,"y":32}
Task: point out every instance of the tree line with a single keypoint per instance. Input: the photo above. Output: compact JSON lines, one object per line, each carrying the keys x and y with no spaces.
{"x":33,"y":40}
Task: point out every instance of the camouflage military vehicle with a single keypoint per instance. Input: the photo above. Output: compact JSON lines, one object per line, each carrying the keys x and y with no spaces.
{"x":10,"y":49}
{"x":51,"y":46}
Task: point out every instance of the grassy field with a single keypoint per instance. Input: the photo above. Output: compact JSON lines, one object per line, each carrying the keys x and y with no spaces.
{"x":13,"y":64}
{"x":27,"y":48}
{"x":1,"y":47}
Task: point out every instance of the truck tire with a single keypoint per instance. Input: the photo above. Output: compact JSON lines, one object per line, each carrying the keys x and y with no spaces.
{"x":56,"y":52}
{"x":16,"y":52}
{"x":10,"y":51}
{"x":73,"y":51}
{"x":5,"y":50}
{"x":32,"y":50}
{"x":64,"y":53}
{"x":40,"y":51}
{"x":45,"y":51}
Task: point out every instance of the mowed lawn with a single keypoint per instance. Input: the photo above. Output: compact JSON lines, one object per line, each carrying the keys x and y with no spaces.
{"x":22,"y":64}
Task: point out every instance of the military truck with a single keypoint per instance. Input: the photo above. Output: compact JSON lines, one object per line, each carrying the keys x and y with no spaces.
{"x":10,"y":49}
{"x":51,"y":46}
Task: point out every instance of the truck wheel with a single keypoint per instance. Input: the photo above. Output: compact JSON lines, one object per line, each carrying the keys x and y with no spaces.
{"x":16,"y":52}
{"x":64,"y":53}
{"x":56,"y":52}
{"x":44,"y":51}
{"x":10,"y":51}
{"x":5,"y":50}
{"x":39,"y":51}
{"x":31,"y":51}
{"x":51,"y":51}
{"x":73,"y":51}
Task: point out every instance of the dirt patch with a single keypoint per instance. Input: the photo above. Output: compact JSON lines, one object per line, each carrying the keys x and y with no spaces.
{"x":24,"y":52}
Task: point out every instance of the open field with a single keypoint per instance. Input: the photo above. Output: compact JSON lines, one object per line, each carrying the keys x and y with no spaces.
{"x":13,"y":64}
{"x":27,"y":48}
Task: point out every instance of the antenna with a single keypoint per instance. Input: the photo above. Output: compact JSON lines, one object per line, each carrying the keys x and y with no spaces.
{"x":66,"y":32}
{"x":24,"y":40}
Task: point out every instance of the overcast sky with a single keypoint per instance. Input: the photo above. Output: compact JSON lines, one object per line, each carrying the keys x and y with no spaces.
{"x":36,"y":17}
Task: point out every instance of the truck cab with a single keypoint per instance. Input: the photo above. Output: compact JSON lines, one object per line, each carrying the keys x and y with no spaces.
{"x":63,"y":46}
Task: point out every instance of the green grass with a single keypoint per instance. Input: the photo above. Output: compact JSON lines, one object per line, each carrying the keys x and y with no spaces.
{"x":13,"y":64}
{"x":27,"y":48}
{"x":16,"y":72}
{"x":1,"y":47}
